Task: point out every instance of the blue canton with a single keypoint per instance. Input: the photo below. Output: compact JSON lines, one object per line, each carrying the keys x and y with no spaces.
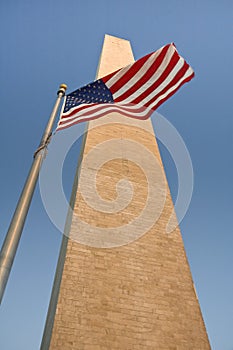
{"x":96,"y":92}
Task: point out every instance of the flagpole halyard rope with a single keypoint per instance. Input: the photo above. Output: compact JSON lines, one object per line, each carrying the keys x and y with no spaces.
{"x":44,"y":146}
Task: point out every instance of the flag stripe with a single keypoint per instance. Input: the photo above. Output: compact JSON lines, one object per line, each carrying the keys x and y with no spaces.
{"x":136,"y":72}
{"x":122,"y":72}
{"x":143,"y":75}
{"x":187,"y":77}
{"x":109,"y":76}
{"x":104,"y":113}
{"x":114,"y":77}
{"x":162,"y":84}
{"x":94,"y":112}
{"x":95,"y":109}
{"x":80,"y":108}
{"x":160,"y":75}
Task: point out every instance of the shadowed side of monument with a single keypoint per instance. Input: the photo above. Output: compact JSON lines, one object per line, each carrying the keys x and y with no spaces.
{"x":128,"y":286}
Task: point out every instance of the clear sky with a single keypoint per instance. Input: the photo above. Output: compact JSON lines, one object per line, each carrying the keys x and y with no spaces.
{"x":45,"y":43}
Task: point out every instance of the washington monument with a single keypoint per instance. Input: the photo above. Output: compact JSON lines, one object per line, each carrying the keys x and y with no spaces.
{"x":122,"y":282}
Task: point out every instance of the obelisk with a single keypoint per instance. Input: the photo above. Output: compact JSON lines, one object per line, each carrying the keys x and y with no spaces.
{"x":122,"y":282}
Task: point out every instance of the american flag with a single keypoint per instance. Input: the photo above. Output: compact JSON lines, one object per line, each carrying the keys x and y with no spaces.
{"x":134,"y":91}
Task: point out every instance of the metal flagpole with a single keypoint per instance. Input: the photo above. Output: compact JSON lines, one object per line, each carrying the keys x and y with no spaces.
{"x":13,"y":235}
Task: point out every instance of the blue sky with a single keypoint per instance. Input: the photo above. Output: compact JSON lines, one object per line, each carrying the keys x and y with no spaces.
{"x":45,"y":43}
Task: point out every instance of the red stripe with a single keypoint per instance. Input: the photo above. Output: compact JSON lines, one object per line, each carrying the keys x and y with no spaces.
{"x":103,"y":114}
{"x":80,"y":107}
{"x":175,"y":58}
{"x":114,"y":108}
{"x":109,"y":76}
{"x":130,"y":73}
{"x":76,"y":122}
{"x":175,"y":80}
{"x":173,"y":92}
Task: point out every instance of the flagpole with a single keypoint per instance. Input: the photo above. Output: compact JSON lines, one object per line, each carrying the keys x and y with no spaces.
{"x":13,"y":235}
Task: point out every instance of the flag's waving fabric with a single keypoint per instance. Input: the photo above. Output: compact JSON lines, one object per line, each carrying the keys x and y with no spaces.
{"x":134,"y":91}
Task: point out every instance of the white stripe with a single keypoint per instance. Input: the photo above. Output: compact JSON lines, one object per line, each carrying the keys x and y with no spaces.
{"x":152,"y":80}
{"x":78,"y":117}
{"x":107,"y":107}
{"x":142,"y":71}
{"x":187,"y":74}
{"x":92,"y":108}
{"x":161,"y":86}
{"x":118,"y":75}
{"x":95,"y":116}
{"x":79,"y":106}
